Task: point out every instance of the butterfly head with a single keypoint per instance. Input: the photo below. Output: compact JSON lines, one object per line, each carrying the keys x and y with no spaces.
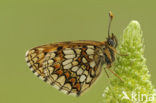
{"x":112,"y":41}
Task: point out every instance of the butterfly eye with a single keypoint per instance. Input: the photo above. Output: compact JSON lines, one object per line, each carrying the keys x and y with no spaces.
{"x":111,"y":42}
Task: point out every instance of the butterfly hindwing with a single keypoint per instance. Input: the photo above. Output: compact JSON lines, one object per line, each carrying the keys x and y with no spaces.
{"x":70,"y":68}
{"x":35,"y":58}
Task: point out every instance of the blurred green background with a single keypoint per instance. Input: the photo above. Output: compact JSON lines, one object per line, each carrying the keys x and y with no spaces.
{"x":28,"y":23}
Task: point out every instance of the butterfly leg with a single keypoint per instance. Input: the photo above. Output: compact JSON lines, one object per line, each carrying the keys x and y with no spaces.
{"x":121,"y":54}
{"x":118,"y":52}
{"x":109,"y":68}
{"x":106,"y":73}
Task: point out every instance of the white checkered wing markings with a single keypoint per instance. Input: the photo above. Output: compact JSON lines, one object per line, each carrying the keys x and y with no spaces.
{"x":34,"y":58}
{"x":71,"y":62}
{"x":72,"y":71}
{"x":95,"y":64}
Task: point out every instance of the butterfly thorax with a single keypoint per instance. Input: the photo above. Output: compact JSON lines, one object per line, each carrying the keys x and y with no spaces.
{"x":109,"y":49}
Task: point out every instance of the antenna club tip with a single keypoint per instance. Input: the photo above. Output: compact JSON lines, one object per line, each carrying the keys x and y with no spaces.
{"x":111,"y":14}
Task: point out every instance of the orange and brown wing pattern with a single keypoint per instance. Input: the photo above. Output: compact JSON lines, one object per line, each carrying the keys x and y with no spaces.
{"x":71,"y":67}
{"x":35,"y":58}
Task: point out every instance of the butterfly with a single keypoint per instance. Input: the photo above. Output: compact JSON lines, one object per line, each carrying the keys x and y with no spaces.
{"x":72,"y":67}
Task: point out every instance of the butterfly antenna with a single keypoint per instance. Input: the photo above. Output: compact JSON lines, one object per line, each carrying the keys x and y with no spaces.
{"x":110,"y":20}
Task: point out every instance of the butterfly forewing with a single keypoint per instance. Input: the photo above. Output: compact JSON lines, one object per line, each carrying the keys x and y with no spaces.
{"x":71,"y":67}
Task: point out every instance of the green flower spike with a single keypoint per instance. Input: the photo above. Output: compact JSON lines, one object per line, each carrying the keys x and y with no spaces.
{"x":136,"y":86}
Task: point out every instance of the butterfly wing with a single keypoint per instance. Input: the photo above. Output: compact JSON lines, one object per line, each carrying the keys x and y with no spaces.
{"x":71,"y":67}
{"x":35,"y":58}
